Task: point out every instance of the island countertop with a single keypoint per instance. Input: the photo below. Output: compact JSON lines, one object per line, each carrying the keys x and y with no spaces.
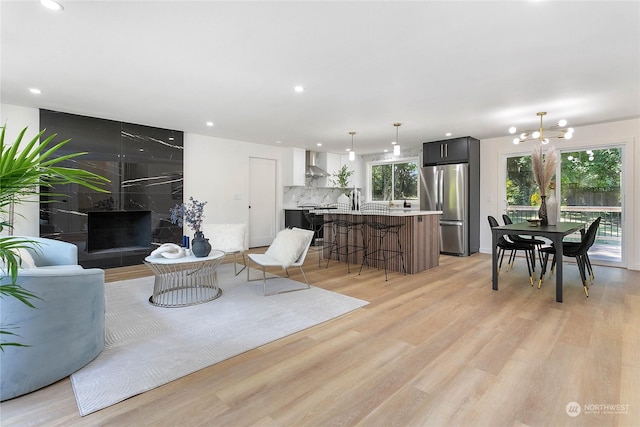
{"x":418,"y":238}
{"x":392,"y":212}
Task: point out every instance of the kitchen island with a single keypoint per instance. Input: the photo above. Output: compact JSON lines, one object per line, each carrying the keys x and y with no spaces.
{"x":419,"y":237}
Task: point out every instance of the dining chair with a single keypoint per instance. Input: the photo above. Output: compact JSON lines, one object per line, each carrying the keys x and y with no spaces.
{"x":506,"y":245}
{"x":536,"y":243}
{"x":577,"y":251}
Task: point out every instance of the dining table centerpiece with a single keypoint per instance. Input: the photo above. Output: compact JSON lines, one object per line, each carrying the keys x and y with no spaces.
{"x":543,"y":166}
{"x":192,"y":214}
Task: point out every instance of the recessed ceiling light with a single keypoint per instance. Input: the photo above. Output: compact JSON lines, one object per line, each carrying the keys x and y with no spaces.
{"x":35,"y":91}
{"x":51,"y":4}
{"x":385,"y":151}
{"x":299,"y":89}
{"x":319,"y":144}
{"x":278,"y":142}
{"x":447,"y":134}
{"x":210,"y":124}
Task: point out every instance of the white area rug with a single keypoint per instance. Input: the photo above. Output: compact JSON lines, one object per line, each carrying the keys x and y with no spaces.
{"x":148,"y":346}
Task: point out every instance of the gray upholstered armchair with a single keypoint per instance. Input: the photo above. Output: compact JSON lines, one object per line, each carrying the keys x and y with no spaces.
{"x":65,"y":330}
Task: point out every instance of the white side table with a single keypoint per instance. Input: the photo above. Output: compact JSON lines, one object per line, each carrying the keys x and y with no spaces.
{"x":185,"y":281}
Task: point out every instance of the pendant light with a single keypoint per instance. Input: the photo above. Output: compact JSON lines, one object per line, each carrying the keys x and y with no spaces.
{"x":396,"y":146}
{"x":352,"y":154}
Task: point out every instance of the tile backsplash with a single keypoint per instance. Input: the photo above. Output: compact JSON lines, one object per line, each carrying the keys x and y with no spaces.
{"x":296,"y":196}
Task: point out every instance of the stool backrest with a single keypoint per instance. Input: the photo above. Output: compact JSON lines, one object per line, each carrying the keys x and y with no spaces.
{"x":372,"y":208}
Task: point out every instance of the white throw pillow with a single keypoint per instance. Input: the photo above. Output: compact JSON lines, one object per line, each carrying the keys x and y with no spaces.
{"x":287,"y":247}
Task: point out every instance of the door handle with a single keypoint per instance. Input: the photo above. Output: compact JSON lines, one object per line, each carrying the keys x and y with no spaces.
{"x":446,"y":150}
{"x":441,"y":190}
{"x":441,"y":150}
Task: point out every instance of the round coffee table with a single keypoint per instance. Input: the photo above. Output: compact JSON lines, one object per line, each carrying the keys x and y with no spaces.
{"x":185,"y":281}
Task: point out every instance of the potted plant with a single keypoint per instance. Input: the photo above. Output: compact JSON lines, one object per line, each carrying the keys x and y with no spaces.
{"x":23,"y":171}
{"x":341,"y":178}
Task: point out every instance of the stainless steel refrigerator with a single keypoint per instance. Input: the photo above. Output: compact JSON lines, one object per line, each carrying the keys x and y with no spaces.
{"x":446,"y":188}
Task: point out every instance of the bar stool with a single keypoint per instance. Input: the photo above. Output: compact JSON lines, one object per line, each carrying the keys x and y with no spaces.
{"x":316,"y":224}
{"x":380,"y":232}
{"x":343,"y":230}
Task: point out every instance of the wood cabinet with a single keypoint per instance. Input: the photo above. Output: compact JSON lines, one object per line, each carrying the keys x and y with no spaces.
{"x":293,"y":167}
{"x":455,"y":150}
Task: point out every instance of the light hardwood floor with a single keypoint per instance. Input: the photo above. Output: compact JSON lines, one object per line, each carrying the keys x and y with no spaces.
{"x":436,"y":348}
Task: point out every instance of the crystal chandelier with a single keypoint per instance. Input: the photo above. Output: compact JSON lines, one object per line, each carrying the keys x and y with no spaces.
{"x":541,"y":134}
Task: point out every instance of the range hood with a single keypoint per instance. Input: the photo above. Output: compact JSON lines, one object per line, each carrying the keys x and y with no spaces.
{"x":311,"y":170}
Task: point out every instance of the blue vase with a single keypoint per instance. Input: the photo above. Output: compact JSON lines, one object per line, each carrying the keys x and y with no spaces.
{"x":200,"y":246}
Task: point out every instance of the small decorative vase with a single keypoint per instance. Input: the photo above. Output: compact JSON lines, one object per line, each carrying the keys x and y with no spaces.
{"x":344,"y":199}
{"x":552,"y":208}
{"x":542,"y":212}
{"x":200,"y":246}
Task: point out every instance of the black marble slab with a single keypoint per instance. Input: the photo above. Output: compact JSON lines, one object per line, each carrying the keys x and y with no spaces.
{"x":144,"y":165}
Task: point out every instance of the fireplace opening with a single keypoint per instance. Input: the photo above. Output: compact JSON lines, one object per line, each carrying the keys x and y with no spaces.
{"x":118,"y":230}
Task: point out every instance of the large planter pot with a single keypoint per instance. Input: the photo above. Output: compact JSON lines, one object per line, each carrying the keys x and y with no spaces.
{"x":64,"y":332}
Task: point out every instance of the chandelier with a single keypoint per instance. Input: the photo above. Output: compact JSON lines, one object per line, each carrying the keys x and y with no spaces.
{"x":556,"y":131}
{"x":396,"y":146}
{"x":352,"y":154}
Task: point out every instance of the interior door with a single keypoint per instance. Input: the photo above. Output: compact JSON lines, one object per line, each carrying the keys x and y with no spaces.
{"x":262,"y":201}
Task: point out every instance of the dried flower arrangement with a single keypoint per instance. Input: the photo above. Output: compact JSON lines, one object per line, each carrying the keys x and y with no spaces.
{"x":543,"y":167}
{"x":190,"y":214}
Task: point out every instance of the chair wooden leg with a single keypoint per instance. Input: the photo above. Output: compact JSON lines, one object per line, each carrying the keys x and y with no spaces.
{"x":583,"y":275}
{"x":512,"y":260}
{"x":553,"y":264}
{"x":543,"y":269}
{"x":500,"y":255}
{"x":589,"y":267}
{"x":527,"y":257}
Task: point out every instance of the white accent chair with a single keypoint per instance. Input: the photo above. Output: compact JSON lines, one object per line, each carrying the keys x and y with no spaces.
{"x":289,"y":249}
{"x":228,"y":238}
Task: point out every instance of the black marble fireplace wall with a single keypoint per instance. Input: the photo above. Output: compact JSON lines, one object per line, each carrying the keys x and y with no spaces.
{"x":144,"y":165}
{"x":118,"y":230}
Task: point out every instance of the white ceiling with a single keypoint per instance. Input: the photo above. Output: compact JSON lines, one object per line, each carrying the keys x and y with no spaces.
{"x":470,"y":68}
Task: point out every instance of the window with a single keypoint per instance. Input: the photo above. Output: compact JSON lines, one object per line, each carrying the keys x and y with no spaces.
{"x":394,"y":181}
{"x":590,"y":186}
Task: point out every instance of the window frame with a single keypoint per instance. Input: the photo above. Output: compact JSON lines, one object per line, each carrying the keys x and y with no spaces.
{"x":370,"y":166}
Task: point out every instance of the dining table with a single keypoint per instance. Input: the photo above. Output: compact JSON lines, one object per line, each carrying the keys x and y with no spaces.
{"x":555,"y":233}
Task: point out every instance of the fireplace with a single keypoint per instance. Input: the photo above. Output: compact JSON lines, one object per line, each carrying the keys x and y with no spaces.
{"x":118,"y":230}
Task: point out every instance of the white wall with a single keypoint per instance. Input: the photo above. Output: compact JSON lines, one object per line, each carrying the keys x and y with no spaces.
{"x":216,"y":170}
{"x":27,"y":218}
{"x":625,"y":133}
